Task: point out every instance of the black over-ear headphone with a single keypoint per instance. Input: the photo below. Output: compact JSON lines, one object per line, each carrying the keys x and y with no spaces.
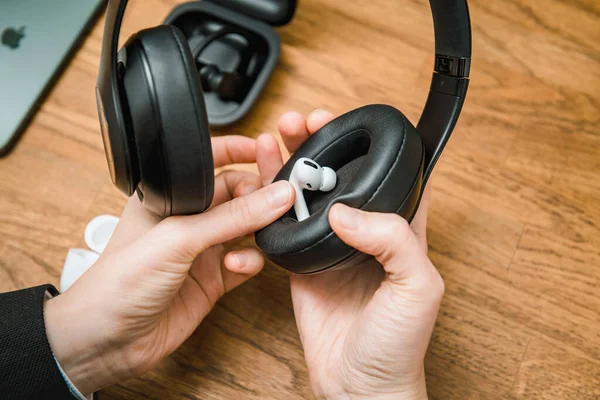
{"x":157,"y":139}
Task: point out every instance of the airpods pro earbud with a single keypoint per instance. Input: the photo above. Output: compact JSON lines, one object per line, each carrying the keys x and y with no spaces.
{"x":308,"y":175}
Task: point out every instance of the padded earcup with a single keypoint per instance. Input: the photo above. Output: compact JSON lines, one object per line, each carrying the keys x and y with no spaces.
{"x":378,"y":157}
{"x":168,"y":118}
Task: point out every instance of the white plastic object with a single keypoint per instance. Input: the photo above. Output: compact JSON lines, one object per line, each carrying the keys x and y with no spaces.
{"x":99,"y":231}
{"x":97,"y":234}
{"x":308,"y":175}
{"x":77,"y":263}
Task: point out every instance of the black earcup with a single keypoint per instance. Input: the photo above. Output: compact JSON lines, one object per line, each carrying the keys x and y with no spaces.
{"x":378,"y":157}
{"x":169,"y":123}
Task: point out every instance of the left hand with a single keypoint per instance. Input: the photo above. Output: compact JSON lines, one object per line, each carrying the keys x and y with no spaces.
{"x":157,"y":280}
{"x":365,"y":330}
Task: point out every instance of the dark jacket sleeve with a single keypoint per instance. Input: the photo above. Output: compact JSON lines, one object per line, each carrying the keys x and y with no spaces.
{"x":28,"y":369}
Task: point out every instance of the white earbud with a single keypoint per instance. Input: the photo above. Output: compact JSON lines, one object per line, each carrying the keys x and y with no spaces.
{"x":308,"y":175}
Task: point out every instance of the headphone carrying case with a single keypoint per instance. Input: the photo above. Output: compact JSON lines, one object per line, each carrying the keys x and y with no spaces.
{"x":253,"y":53}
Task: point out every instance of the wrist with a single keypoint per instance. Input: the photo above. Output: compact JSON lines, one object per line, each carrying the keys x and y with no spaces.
{"x":418,"y":394}
{"x":416,"y":390}
{"x":81,"y":350}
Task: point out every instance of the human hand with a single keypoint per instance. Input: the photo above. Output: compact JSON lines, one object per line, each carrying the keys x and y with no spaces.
{"x":157,"y":280}
{"x":365,"y":330}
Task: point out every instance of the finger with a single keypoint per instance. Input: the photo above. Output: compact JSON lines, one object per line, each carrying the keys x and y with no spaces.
{"x":318,"y":119}
{"x":231,"y":184}
{"x":233,"y":149}
{"x":387,"y":237}
{"x":419,"y":222}
{"x":292,"y":127}
{"x":210,"y":280}
{"x":183,"y":238}
{"x":240,"y":266}
{"x":134,"y":222}
{"x":268,"y":158}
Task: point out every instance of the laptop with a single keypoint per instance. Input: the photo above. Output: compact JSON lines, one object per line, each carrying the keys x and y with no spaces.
{"x":36,"y":39}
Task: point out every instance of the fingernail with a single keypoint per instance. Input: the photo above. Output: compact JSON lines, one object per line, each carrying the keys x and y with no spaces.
{"x":250,"y":188}
{"x":349,"y":218}
{"x":264,"y":138}
{"x":280,"y":194}
{"x":240,"y":259}
{"x":315,"y":112}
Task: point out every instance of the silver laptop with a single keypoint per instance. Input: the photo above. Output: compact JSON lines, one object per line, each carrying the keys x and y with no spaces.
{"x":36,"y":39}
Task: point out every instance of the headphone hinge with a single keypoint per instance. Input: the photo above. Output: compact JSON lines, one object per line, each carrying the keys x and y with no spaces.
{"x":458,"y":67}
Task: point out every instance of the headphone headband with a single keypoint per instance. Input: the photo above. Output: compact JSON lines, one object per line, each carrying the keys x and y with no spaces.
{"x":109,"y":102}
{"x":452,"y":28}
{"x":450,"y":80}
{"x":449,"y":85}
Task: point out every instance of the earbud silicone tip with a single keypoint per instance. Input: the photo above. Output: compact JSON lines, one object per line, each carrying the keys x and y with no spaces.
{"x":99,"y":231}
{"x":329,"y":179}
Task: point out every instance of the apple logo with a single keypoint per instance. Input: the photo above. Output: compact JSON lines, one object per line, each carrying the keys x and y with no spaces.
{"x":11,"y":37}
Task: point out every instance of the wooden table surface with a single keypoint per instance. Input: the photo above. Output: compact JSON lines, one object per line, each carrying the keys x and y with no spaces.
{"x":515,"y":217}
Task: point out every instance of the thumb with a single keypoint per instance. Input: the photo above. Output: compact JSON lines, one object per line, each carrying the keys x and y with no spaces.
{"x":387,"y":237}
{"x":181,"y":239}
{"x":419,"y":222}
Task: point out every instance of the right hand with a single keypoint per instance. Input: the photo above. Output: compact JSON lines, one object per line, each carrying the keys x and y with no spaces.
{"x":365,"y":330}
{"x":157,"y":280}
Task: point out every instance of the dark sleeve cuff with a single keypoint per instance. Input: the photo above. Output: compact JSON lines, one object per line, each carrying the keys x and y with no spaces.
{"x":28,"y":369}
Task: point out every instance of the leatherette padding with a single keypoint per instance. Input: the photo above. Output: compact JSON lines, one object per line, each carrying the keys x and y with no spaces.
{"x":185,"y":136}
{"x":380,"y":181}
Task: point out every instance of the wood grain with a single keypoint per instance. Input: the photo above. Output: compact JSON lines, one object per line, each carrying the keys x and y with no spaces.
{"x":515,"y":217}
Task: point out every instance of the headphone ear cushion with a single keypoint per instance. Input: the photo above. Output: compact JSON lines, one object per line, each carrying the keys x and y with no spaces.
{"x":170,"y":125}
{"x":378,"y":157}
